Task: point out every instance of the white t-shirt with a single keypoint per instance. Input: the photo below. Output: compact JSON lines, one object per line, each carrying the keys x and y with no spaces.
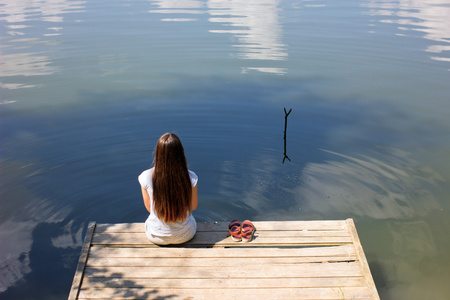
{"x":154,"y":225}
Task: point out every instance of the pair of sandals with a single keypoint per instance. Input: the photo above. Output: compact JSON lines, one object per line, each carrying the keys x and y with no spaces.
{"x":241,"y":232}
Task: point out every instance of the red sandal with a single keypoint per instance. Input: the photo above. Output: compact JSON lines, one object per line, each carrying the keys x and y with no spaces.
{"x":247,"y":231}
{"x":235,"y":230}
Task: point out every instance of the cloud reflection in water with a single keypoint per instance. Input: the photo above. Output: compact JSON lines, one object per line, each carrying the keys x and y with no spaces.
{"x":255,"y":27}
{"x":21,"y":214}
{"x":16,"y":16}
{"x":430,"y":17}
{"x":342,"y":186}
{"x":368,"y":187}
{"x":190,"y":7}
{"x":42,"y":10}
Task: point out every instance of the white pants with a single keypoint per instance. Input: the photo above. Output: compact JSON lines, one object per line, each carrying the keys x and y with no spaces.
{"x":173,"y":239}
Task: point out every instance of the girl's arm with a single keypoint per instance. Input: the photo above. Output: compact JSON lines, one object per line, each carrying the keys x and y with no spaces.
{"x":146,"y":198}
{"x":194,"y":199}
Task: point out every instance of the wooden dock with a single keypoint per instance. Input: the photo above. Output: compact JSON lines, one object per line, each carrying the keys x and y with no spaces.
{"x":285,"y":260}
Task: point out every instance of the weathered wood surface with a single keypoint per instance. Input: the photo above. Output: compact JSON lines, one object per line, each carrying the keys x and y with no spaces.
{"x":79,"y":273}
{"x":285,"y":260}
{"x":268,"y":234}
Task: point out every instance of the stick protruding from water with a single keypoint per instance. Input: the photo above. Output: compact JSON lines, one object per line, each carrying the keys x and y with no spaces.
{"x":286,"y":114}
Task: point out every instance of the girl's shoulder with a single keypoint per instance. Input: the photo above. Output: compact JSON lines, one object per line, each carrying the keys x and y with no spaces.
{"x":145,"y":179}
{"x":194,"y":178}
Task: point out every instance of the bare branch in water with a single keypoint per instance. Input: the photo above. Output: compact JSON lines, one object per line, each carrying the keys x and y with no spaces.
{"x":286,"y":114}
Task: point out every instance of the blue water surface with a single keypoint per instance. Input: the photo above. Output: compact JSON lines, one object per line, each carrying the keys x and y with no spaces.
{"x":87,"y":88}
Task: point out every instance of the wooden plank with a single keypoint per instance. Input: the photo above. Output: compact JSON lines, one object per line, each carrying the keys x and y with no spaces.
{"x":230,"y":283}
{"x":79,"y":273}
{"x":301,"y":233}
{"x":344,"y":269}
{"x":223,"y":226}
{"x":205,"y":262}
{"x":223,"y":235}
{"x":294,"y":225}
{"x":343,"y":250}
{"x":220,"y":238}
{"x":238,"y":293}
{"x":364,"y":265}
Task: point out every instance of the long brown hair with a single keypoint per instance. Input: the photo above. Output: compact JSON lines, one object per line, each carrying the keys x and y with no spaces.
{"x":172,"y":189}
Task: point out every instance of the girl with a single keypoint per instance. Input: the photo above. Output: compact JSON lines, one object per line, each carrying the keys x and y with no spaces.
{"x":170,"y":195}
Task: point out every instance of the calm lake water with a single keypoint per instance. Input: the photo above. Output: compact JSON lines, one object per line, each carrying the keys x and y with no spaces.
{"x":89,"y":86}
